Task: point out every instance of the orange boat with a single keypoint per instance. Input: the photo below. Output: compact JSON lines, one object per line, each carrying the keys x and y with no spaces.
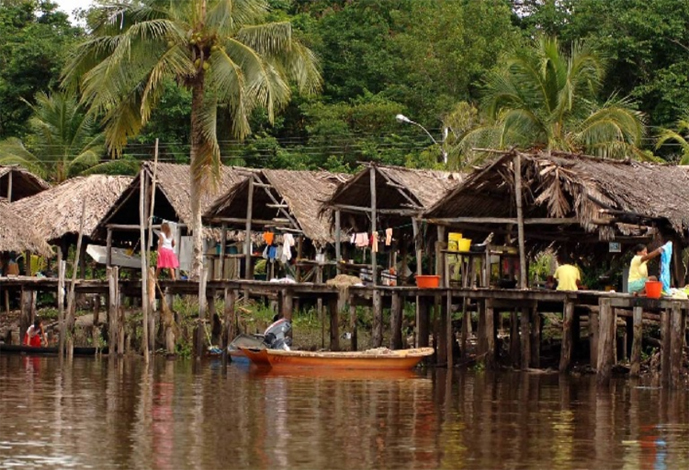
{"x":373,"y":359}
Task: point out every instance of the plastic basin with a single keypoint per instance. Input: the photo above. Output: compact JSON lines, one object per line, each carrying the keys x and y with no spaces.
{"x":427,"y":280}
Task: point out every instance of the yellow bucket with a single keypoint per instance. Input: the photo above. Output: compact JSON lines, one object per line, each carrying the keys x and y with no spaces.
{"x":453,"y":239}
{"x":464,"y":244}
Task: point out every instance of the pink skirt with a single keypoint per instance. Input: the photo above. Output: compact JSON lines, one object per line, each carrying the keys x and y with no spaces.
{"x":167,"y":259}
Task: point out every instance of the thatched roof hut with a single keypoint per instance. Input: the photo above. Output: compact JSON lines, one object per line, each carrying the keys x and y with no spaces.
{"x":572,"y":197}
{"x":17,"y":183}
{"x":56,"y":212}
{"x":172,"y":198}
{"x":400,"y":193}
{"x":18,"y":235}
{"x":287,"y":199}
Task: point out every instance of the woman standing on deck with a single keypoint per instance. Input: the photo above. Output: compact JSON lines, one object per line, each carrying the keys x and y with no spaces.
{"x":167,"y":259}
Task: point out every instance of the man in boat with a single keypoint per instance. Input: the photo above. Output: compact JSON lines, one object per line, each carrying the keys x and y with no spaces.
{"x":35,"y":336}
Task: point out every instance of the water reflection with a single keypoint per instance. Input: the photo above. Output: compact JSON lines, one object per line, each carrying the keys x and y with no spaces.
{"x":174,"y":415}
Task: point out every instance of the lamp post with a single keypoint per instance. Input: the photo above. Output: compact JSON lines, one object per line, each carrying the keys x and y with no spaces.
{"x":404,"y":119}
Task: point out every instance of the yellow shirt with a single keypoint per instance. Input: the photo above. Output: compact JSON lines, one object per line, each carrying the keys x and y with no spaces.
{"x":567,"y":277}
{"x":638,"y":270}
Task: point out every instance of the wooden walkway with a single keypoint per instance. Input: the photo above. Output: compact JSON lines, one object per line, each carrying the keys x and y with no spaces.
{"x":434,"y":312}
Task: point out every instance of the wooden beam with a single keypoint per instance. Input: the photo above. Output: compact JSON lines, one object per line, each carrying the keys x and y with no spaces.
{"x":238,"y":221}
{"x":520,"y":219}
{"x":348,"y":208}
{"x":9,"y":199}
{"x":504,"y":220}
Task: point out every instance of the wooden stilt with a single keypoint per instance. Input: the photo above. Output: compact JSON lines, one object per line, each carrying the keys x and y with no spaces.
{"x":113,"y":309}
{"x":489,"y":332}
{"x":466,"y":326}
{"x":449,"y":331}
{"x":666,"y":346}
{"x":525,"y":324}
{"x":353,"y":325}
{"x":481,"y":345}
{"x":334,"y":324}
{"x":377,"y":336}
{"x":396,"y":322}
{"x":535,"y":338}
{"x":594,"y":327}
{"x":606,"y":341}
{"x":25,"y":320}
{"x":677,"y":342}
{"x":637,"y":313}
{"x":423,"y":320}
{"x":515,"y":346}
{"x":201,"y":325}
{"x":566,"y":353}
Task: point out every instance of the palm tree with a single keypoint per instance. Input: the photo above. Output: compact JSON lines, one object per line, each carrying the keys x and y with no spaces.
{"x":669,"y":134}
{"x":542,"y":97}
{"x":64,"y":141}
{"x":222,"y":50}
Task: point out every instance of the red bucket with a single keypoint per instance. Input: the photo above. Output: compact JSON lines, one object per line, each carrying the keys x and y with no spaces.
{"x":654,"y":289}
{"x":427,"y":280}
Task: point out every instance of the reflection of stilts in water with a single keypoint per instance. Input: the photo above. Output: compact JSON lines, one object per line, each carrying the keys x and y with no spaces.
{"x":163,"y":425}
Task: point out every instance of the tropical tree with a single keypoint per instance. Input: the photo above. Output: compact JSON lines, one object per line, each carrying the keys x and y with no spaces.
{"x":224,"y":51}
{"x":542,"y":97}
{"x":680,"y":136}
{"x":63,"y":140}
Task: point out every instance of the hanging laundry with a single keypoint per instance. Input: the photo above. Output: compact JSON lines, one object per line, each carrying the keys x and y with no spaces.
{"x":361,"y":239}
{"x":388,"y":236}
{"x":268,"y":237}
{"x":272,"y":252}
{"x":287,"y":244}
{"x":374,"y":242}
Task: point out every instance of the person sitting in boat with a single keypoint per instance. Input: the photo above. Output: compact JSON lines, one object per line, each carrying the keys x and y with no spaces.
{"x":638,"y":269}
{"x":167,"y":259}
{"x":35,"y":336}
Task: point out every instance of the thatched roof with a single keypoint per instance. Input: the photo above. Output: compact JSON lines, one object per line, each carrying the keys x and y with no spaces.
{"x":173,"y":195}
{"x":24,"y":183}
{"x":56,"y":212}
{"x":17,"y":235}
{"x":599,"y":195}
{"x":423,"y":187}
{"x":303,"y":192}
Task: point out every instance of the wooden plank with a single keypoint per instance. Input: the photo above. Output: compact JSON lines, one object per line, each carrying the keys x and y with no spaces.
{"x":637,"y":342}
{"x":606,"y":341}
{"x":396,"y":322}
{"x":566,"y":352}
{"x":348,"y":208}
{"x":503,"y":220}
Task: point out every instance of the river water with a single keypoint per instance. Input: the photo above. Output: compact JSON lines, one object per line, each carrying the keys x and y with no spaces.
{"x":105,"y":414}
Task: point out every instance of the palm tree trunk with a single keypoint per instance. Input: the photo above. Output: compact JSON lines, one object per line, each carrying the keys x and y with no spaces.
{"x":197,"y":174}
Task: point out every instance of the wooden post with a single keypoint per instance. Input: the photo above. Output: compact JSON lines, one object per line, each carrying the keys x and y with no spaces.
{"x":420,"y":311}
{"x":606,"y":341}
{"x":666,"y":346}
{"x":525,"y":326}
{"x":334,"y":324}
{"x":287,"y":304}
{"x":144,"y":262}
{"x":515,"y":343}
{"x":566,"y":352}
{"x":396,"y":322}
{"x":440,"y":314}
{"x":594,"y":328}
{"x":71,"y":307}
{"x":520,"y":219}
{"x":449,"y":331}
{"x":108,"y":249}
{"x":25,"y":320}
{"x":152,"y":201}
{"x":677,"y":345}
{"x":151,"y":282}
{"x":489,"y":332}
{"x":9,"y":199}
{"x":481,"y":327}
{"x":338,"y":241}
{"x":353,"y":325}
{"x":439,"y":258}
{"x":637,"y":314}
{"x":61,"y":269}
{"x":229,"y":329}
{"x":374,"y":230}
{"x":535,"y":340}
{"x":247,"y":231}
{"x":113,"y":309}
{"x":201,"y":325}
{"x":223,"y":247}
{"x":377,"y":336}
{"x":422,"y":325}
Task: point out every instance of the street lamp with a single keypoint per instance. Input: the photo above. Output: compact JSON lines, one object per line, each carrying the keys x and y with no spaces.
{"x":401,"y":118}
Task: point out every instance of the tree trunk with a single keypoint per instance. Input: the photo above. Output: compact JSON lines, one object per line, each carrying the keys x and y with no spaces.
{"x":200,"y":170}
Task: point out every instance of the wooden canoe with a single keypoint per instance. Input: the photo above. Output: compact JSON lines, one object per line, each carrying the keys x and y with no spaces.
{"x":30,"y":350}
{"x":374,"y":359}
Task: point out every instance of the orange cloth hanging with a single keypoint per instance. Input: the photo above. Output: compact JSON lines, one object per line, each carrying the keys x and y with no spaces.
{"x":268,"y":237}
